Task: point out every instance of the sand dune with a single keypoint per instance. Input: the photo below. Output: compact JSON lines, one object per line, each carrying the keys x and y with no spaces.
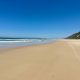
{"x":55,"y":61}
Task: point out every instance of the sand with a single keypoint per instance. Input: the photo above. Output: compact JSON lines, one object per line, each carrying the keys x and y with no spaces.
{"x":55,"y":61}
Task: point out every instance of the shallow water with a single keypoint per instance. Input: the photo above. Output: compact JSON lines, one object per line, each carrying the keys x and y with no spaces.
{"x":10,"y":43}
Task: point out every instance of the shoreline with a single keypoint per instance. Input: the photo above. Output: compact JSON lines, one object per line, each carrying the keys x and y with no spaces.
{"x":37,"y":44}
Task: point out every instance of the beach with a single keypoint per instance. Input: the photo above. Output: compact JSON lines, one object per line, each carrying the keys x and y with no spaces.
{"x":59,"y":60}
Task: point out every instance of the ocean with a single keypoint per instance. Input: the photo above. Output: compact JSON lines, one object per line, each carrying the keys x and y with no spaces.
{"x":10,"y":43}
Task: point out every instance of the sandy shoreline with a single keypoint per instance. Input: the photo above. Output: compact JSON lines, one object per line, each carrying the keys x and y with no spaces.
{"x":55,"y":61}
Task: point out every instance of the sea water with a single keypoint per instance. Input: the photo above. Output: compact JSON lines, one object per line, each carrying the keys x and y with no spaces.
{"x":10,"y":43}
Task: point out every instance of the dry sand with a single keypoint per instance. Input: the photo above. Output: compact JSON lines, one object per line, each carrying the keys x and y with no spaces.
{"x":55,"y":61}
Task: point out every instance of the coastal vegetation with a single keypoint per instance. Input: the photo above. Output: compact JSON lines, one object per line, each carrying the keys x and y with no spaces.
{"x":74,"y":36}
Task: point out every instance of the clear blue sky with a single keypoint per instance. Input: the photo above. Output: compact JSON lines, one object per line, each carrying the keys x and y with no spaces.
{"x":39,"y":18}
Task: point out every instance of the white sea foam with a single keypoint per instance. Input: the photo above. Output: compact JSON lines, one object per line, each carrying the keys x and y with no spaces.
{"x":14,"y":40}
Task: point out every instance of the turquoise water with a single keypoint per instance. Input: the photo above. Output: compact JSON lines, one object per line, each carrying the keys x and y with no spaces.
{"x":10,"y":43}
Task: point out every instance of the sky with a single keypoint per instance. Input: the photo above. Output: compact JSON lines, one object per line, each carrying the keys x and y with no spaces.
{"x":39,"y":18}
